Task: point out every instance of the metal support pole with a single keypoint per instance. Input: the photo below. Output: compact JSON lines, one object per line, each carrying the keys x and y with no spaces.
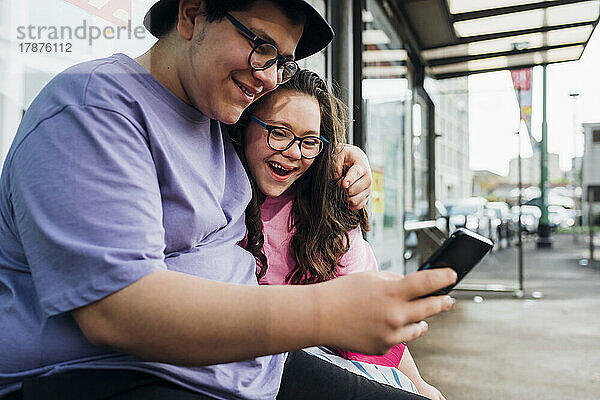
{"x":358,"y":134}
{"x":591,"y":223}
{"x":574,"y":181}
{"x":520,"y":200}
{"x":544,"y":240}
{"x":520,"y":229}
{"x":343,"y":57}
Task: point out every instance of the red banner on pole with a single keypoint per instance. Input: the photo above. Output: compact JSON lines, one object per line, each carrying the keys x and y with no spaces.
{"x":521,"y":78}
{"x":522,"y":83}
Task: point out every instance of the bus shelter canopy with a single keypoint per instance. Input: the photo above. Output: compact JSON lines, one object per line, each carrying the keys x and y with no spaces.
{"x":462,"y":37}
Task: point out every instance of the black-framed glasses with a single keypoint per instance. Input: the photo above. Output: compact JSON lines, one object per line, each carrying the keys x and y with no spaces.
{"x":264,"y":54}
{"x":281,"y":139}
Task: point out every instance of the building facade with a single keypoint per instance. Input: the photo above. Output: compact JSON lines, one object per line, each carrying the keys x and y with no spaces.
{"x":453,"y":176}
{"x":530,"y":170}
{"x":591,"y":163}
{"x":485,"y":182}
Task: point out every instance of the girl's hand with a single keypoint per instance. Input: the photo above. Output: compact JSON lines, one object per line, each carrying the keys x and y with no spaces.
{"x":358,"y":177}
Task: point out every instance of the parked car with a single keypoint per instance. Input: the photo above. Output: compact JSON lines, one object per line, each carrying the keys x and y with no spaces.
{"x":530,"y":218}
{"x":561,"y":217}
{"x":472,"y":214}
{"x":507,"y":227}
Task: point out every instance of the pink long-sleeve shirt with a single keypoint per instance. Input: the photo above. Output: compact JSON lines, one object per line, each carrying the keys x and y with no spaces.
{"x":277,"y":230}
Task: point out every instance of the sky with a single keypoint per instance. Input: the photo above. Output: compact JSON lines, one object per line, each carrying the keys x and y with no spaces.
{"x":494,"y":114}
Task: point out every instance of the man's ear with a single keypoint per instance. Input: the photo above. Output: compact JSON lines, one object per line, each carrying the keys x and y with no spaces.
{"x":189,"y":10}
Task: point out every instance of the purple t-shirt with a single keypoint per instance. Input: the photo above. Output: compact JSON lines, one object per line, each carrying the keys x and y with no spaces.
{"x":109,"y":178}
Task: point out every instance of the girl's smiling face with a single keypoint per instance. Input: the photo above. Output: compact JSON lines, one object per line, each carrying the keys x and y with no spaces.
{"x":275,"y":171}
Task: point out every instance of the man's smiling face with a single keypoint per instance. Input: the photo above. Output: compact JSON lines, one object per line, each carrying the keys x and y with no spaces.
{"x":214,"y":69}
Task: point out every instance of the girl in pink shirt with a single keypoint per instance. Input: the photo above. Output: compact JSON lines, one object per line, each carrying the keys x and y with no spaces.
{"x":300,"y":229}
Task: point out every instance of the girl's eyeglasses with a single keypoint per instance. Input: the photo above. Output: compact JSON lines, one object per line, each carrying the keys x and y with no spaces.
{"x":281,"y":139}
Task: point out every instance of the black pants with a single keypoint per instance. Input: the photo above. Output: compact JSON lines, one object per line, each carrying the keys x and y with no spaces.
{"x":95,"y":384}
{"x":309,"y":377}
{"x":305,"y":377}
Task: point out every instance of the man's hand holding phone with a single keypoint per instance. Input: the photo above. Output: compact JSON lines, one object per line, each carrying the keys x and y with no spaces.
{"x":462,"y":251}
{"x":370,"y":312}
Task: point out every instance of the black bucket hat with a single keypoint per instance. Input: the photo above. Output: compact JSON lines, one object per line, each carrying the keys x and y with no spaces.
{"x":316,"y":35}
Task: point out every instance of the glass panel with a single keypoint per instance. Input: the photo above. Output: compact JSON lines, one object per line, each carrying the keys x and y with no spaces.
{"x":3,"y":76}
{"x":4,"y":138}
{"x":500,"y":23}
{"x":385,"y":98}
{"x":1,"y":116}
{"x":384,"y":71}
{"x":317,"y":62}
{"x":4,"y":28}
{"x":507,"y":44}
{"x":446,"y":52}
{"x":573,"y":13}
{"x":375,"y":36}
{"x":420,"y":119}
{"x":553,"y":55}
{"x":578,"y":34}
{"x":385,"y":120}
{"x":461,"y":6}
{"x":383,"y":52}
{"x":488,"y":63}
{"x":2,"y":13}
{"x":34,"y":80}
{"x":565,"y":53}
{"x":559,"y":15}
{"x":371,"y":56}
{"x":528,"y":41}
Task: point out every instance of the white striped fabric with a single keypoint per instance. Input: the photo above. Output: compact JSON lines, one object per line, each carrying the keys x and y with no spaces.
{"x":387,"y":375}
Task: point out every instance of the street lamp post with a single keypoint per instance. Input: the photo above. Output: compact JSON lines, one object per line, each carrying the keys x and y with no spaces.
{"x":591,"y":223}
{"x":519,"y":291}
{"x":520,"y":204}
{"x":544,"y":240}
{"x":574,"y":181}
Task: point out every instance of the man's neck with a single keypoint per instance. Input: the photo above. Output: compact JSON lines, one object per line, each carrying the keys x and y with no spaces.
{"x":160,"y":62}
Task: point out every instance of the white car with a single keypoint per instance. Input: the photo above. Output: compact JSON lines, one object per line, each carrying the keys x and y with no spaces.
{"x":560,"y":217}
{"x":530,"y":217}
{"x":471,"y":213}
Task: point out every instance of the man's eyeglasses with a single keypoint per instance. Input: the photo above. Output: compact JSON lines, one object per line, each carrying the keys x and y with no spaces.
{"x":264,"y":54}
{"x":281,"y":139}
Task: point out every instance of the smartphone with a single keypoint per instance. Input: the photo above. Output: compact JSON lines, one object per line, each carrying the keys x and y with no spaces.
{"x":461,"y":251}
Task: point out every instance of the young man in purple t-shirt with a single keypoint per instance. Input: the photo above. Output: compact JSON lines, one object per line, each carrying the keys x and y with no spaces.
{"x":121,"y":205}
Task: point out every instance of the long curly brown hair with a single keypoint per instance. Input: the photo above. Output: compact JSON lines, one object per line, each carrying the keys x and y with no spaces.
{"x":320,"y":213}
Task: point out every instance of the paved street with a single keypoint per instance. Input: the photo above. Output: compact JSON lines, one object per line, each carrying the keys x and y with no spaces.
{"x":501,"y":347}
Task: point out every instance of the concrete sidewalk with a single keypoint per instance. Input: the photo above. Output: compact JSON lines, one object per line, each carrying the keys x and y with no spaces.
{"x":501,"y":347}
